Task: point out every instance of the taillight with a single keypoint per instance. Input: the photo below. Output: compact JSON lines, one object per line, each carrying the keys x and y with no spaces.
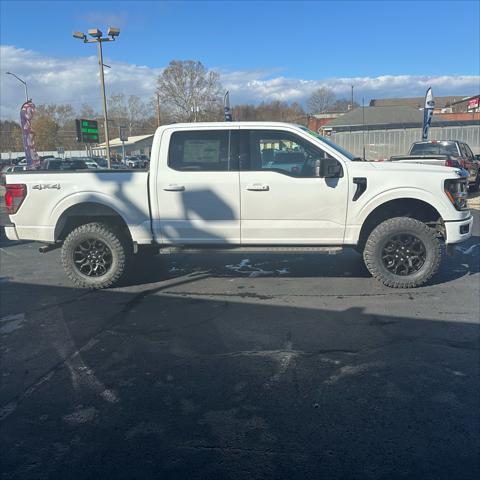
{"x":14,"y":196}
{"x":456,"y":191}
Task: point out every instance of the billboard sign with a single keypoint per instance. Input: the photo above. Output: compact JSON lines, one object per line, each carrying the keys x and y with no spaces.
{"x":87,"y":130}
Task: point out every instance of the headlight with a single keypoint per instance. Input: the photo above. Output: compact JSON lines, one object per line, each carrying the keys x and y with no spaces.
{"x":456,"y":191}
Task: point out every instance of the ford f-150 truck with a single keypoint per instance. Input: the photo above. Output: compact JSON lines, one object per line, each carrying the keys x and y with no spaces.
{"x":219,"y":185}
{"x":449,"y":153}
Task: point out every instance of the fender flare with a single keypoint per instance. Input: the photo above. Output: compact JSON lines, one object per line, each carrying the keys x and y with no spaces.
{"x":76,"y":200}
{"x":442,"y":207}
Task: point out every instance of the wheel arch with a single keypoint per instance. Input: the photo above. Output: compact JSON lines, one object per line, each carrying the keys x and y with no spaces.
{"x":401,"y":207}
{"x":87,"y":212}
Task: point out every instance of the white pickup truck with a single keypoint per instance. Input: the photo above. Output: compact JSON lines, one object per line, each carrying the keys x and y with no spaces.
{"x":260,"y":186}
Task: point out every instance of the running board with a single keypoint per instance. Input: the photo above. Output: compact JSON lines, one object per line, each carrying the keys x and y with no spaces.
{"x":253,"y":249}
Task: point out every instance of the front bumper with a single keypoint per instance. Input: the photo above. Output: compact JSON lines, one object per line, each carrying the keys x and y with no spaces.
{"x":458,"y":231}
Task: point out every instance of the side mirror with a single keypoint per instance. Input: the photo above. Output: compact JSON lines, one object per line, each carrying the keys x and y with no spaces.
{"x":330,"y":168}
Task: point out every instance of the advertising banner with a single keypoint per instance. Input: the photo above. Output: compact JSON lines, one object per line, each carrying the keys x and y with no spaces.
{"x":26,"y":115}
{"x":226,"y":108}
{"x":427,"y":113}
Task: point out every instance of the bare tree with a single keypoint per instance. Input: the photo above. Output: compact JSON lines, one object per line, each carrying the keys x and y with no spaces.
{"x":320,"y":100}
{"x":87,"y":112}
{"x":117,"y":109}
{"x":270,"y":111}
{"x":189,"y":91}
{"x":342,"y":105}
{"x":136,"y":112}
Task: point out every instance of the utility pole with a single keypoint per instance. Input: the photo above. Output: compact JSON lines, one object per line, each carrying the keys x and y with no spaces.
{"x":363,"y":127}
{"x":351,"y":104}
{"x":96,"y":35}
{"x":104,"y":101}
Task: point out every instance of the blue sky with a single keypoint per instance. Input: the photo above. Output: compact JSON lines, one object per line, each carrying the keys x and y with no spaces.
{"x":281,"y":44}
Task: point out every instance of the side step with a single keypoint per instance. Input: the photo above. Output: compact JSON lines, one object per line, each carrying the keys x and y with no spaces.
{"x":252,"y":249}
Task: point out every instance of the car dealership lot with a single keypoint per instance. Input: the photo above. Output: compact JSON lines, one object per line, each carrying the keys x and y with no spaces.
{"x":239,"y":366}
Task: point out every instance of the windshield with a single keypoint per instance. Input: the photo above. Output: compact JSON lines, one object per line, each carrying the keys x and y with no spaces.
{"x":339,"y":149}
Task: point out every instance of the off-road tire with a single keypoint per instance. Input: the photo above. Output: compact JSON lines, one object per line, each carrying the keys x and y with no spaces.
{"x":110,"y":237}
{"x":393,"y":227}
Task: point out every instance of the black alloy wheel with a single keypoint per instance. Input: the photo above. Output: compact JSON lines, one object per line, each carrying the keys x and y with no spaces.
{"x":403,"y":254}
{"x":92,"y":257}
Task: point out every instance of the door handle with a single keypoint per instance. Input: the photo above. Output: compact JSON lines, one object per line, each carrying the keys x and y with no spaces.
{"x":258,"y":187}
{"x":174,"y":188}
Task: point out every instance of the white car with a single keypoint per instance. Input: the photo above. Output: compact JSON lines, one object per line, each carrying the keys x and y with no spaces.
{"x":211,"y":185}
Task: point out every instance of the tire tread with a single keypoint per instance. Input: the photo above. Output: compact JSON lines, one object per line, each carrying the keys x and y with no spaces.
{"x":117,"y":243}
{"x":391,"y":225}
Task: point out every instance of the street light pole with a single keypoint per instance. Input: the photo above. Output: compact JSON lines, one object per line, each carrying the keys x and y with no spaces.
{"x":20,"y":80}
{"x":104,"y":100}
{"x":96,"y":35}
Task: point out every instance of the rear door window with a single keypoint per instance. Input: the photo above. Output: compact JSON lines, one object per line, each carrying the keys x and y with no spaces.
{"x":203,"y":151}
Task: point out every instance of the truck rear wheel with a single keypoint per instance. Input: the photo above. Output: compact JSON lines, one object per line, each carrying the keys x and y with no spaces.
{"x":94,"y":256}
{"x":402,"y":253}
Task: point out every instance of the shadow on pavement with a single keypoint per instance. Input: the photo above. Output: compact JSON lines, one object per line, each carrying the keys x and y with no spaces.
{"x":348,"y":264}
{"x":125,"y":385}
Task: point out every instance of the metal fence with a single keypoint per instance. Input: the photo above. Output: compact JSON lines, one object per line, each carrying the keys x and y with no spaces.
{"x":7,"y":156}
{"x":381,"y":144}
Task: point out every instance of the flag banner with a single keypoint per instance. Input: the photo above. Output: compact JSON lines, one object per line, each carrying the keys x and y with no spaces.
{"x":26,"y":114}
{"x":226,"y":107}
{"x":427,"y":113}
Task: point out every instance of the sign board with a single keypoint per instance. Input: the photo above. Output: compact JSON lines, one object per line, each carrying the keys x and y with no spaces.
{"x":60,"y":150}
{"x":123,"y":134}
{"x":473,"y":104}
{"x":87,"y":130}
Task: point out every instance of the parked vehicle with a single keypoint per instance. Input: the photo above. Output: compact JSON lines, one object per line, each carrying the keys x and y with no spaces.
{"x":101,"y":162}
{"x":119,"y":166}
{"x":450,"y":153}
{"x":53,"y":164}
{"x":145,"y":161}
{"x":133,"y":162}
{"x":209,"y":187}
{"x":91,"y":164}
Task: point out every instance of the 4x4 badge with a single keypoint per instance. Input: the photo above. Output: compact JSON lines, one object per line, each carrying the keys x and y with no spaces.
{"x":44,"y":186}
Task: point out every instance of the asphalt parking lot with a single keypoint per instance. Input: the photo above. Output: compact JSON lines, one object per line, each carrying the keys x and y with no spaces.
{"x":239,"y":367}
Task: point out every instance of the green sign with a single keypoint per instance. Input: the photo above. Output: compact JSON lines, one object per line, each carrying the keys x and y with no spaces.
{"x":87,"y":131}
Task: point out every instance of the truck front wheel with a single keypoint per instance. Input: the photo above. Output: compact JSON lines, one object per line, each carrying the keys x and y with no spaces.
{"x":402,"y":253}
{"x":94,"y":256}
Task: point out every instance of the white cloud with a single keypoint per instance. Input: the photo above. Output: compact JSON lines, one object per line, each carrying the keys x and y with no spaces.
{"x":75,"y":80}
{"x":67,"y":80}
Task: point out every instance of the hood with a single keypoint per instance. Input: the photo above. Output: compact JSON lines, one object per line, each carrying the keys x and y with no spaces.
{"x":418,"y":168}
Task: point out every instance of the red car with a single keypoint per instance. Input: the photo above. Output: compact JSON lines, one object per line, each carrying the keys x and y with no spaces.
{"x":459,"y":151}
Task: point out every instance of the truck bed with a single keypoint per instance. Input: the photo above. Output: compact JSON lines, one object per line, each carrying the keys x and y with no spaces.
{"x":50,"y":193}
